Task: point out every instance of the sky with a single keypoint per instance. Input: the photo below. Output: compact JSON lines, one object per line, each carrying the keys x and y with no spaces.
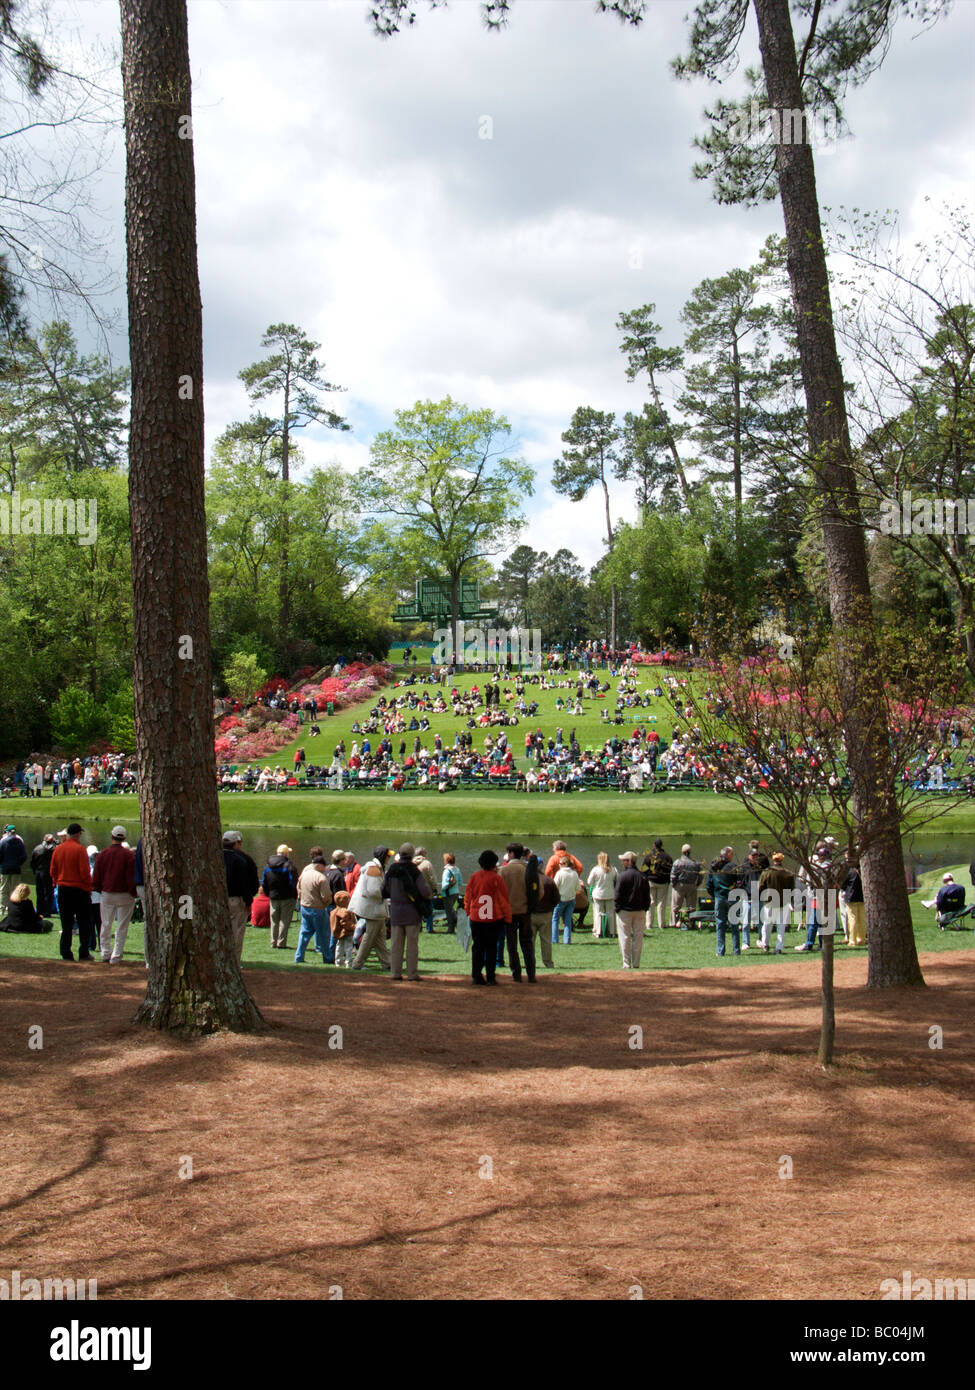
{"x":458,"y":212}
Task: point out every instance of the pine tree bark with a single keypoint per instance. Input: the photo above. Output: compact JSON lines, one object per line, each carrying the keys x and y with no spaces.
{"x":195,"y":982}
{"x":890,"y":936}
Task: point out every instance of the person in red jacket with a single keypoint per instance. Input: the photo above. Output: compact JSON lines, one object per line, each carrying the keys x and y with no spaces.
{"x":488,"y":908}
{"x":71,"y":876}
{"x":114,"y":879}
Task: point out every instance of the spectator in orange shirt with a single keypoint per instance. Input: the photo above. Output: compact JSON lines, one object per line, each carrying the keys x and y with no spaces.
{"x":488,"y":908}
{"x":559,"y":852}
{"x":71,"y":875}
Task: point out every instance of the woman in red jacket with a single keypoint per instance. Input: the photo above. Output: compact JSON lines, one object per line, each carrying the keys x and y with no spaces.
{"x":488,"y":907}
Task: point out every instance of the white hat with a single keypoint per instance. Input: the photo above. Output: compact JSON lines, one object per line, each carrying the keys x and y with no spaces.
{"x":947,"y":879}
{"x":118,"y":832}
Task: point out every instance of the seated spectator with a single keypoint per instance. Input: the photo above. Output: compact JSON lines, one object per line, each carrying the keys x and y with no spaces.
{"x":23,"y":915}
{"x":951,"y":896}
{"x":261,"y":910}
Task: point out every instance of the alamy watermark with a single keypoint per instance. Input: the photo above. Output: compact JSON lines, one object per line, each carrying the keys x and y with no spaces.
{"x":911,"y":1287}
{"x":518,"y":646}
{"x":908,"y":515}
{"x":24,"y":1289}
{"x":50,"y":516}
{"x":784,"y":126}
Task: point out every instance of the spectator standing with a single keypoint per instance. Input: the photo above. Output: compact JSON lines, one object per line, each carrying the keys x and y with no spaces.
{"x":242,"y":885}
{"x":13,"y":852}
{"x":568,"y":883}
{"x":684,"y":879}
{"x":451,"y":885}
{"x":541,"y":895}
{"x":407,"y":890}
{"x":114,"y":879}
{"x":602,"y":884}
{"x":856,"y":912}
{"x":657,"y":866}
{"x":487,"y":905}
{"x":343,"y":924}
{"x":280,"y":883}
{"x":71,"y":875}
{"x":723,"y":877}
{"x":314,"y":903}
{"x":519,"y":929}
{"x":40,"y":862}
{"x":426,"y":869}
{"x":776,"y":879}
{"x":631,"y":900}
{"x":370,"y":910}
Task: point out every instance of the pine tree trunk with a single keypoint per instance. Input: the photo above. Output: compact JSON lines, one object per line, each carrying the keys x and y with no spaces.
{"x":195,"y":982}
{"x":455,"y":619}
{"x":284,"y":586}
{"x":671,"y":444}
{"x":612,"y":587}
{"x":827,"y":1031}
{"x":890,"y":936}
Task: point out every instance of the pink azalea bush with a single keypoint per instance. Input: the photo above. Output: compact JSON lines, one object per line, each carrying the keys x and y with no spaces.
{"x":357,"y":683}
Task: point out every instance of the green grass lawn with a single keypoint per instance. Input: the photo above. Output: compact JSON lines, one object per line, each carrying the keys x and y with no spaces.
{"x":440,"y":954}
{"x":590,"y":730}
{"x":486,"y":811}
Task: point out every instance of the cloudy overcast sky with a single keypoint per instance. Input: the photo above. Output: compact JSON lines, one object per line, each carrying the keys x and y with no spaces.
{"x":344,"y":184}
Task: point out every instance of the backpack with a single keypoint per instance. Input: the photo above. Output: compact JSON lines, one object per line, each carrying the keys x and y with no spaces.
{"x":548,"y":896}
{"x":277,"y":883}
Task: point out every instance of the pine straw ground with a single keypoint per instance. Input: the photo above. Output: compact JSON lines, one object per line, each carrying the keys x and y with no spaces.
{"x":361,"y":1167}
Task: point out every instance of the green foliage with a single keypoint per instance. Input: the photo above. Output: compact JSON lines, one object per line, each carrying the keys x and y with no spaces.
{"x":838,"y":44}
{"x":59,"y":411}
{"x":77,"y":719}
{"x":243,"y":677}
{"x":292,"y":375}
{"x":121,"y":719}
{"x":448,"y":489}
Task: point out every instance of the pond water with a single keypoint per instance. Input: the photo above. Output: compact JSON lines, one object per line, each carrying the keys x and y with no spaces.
{"x":922,"y":852}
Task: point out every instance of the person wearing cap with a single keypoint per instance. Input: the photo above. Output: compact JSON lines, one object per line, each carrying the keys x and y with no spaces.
{"x":242,"y":885}
{"x":631,"y":900}
{"x":407,"y":891}
{"x":488,"y":907}
{"x":114,"y":878}
{"x":777,"y":913}
{"x":279,"y":881}
{"x":370,"y":910}
{"x":13,"y":852}
{"x":426,"y":869}
{"x":40,"y":863}
{"x":71,"y":876}
{"x":685,"y":876}
{"x":314,"y":905}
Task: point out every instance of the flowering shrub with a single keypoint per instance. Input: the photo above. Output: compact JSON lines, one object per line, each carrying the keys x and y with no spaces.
{"x":272,"y":687}
{"x":357,"y":683}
